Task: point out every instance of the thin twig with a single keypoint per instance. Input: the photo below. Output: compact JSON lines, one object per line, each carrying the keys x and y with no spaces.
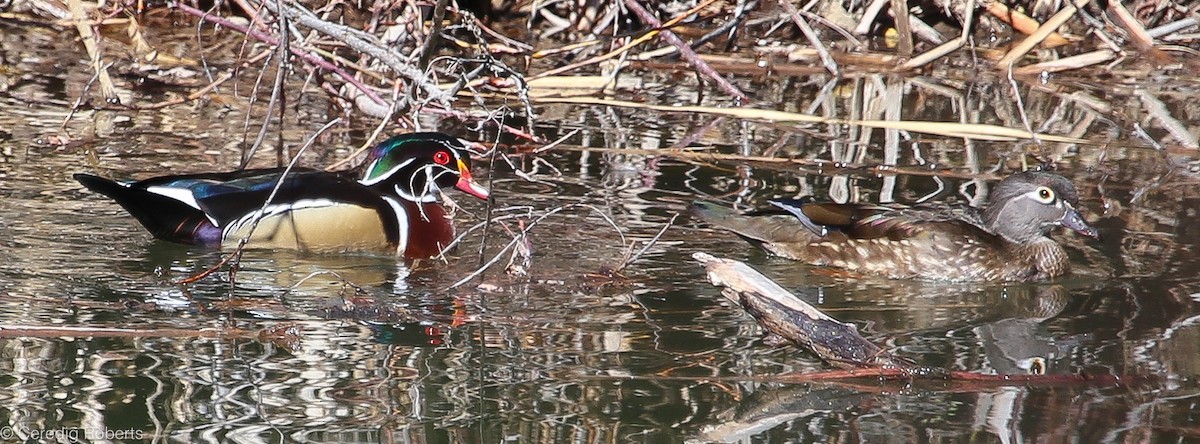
{"x":1072,"y":62}
{"x":903,"y":27}
{"x":491,"y":202}
{"x":686,"y":52}
{"x":1041,"y":34}
{"x":730,"y":27}
{"x":224,"y":77}
{"x":624,"y":48}
{"x":1023,"y":23}
{"x":811,"y":35}
{"x":649,"y":244}
{"x":271,"y":40}
{"x":560,"y":140}
{"x":945,"y":48}
{"x":84,"y":27}
{"x":241,"y":246}
{"x":435,"y":32}
{"x":370,"y":142}
{"x":521,"y":235}
{"x":365,"y":43}
{"x":853,"y":41}
{"x":463,"y":235}
{"x":276,"y":95}
{"x":1141,"y":39}
{"x":1012,"y":82}
{"x":87,"y":87}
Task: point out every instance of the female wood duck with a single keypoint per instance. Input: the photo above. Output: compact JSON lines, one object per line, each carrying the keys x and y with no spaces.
{"x":391,"y":207}
{"x":1008,"y":240}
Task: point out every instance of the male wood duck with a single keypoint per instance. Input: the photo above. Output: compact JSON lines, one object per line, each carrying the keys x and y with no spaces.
{"x":1008,"y":240}
{"x":391,"y":207}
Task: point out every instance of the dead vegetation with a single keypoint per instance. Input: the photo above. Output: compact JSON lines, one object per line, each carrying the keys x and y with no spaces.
{"x":397,"y":61}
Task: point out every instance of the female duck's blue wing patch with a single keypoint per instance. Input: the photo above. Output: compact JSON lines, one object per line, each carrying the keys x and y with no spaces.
{"x":795,"y":207}
{"x":823,"y":218}
{"x":875,"y":221}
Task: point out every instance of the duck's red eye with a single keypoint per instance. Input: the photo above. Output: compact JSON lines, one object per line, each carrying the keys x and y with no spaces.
{"x":441,"y":157}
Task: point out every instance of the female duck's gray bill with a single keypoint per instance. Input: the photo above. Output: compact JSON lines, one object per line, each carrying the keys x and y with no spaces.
{"x":1074,"y":221}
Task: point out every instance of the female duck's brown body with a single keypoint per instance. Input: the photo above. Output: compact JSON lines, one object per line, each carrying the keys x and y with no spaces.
{"x":1006,"y":241}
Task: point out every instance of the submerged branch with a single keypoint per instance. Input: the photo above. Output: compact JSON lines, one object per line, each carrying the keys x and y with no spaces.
{"x":782,"y":313}
{"x":839,"y":344}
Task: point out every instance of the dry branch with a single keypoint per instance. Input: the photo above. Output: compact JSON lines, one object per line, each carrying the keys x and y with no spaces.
{"x":945,"y":48}
{"x":616,"y":52}
{"x":686,"y":52}
{"x":1137,"y":33}
{"x":1073,"y":62}
{"x":949,"y":129}
{"x":904,"y":30}
{"x":521,"y":236}
{"x":362,"y":42}
{"x":269,"y":39}
{"x":83,"y":25}
{"x":786,"y":315}
{"x":810,"y":34}
{"x":1023,"y":23}
{"x":839,"y":344}
{"x":1043,"y":32}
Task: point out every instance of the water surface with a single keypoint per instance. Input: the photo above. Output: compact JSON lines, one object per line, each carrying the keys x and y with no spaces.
{"x":366,"y":349}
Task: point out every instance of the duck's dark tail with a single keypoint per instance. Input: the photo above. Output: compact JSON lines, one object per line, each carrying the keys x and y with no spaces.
{"x":164,"y":217}
{"x":758,"y":229}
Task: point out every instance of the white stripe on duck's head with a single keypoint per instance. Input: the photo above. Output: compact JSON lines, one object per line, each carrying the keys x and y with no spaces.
{"x":417,"y":165}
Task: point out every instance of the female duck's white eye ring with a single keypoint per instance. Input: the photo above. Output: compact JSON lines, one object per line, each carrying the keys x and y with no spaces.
{"x":1044,"y":195}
